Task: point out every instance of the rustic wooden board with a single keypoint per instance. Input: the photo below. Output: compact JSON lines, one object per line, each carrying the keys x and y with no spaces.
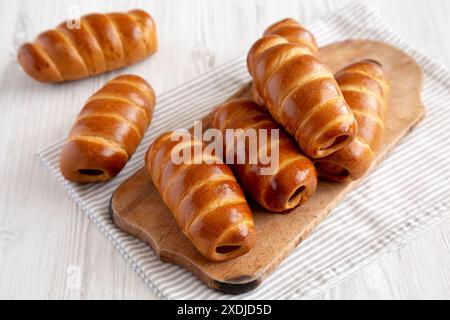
{"x":137,"y":208}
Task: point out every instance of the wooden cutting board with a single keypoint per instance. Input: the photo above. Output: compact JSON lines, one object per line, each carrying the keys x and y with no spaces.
{"x":137,"y":208}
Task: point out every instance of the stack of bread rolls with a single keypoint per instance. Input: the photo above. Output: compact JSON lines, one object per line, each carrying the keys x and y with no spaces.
{"x":361,"y":85}
{"x":324,"y":125}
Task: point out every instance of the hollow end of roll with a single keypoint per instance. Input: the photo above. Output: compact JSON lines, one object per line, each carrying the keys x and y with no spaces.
{"x":290,"y":187}
{"x":333,"y":145}
{"x":331,"y":171}
{"x":296,"y":197}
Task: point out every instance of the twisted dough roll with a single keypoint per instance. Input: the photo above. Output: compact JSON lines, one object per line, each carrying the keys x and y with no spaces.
{"x":300,"y":91}
{"x":108,"y":130}
{"x":295,"y":178}
{"x":365,"y":89}
{"x":103,"y":42}
{"x":205,"y":199}
{"x":292,"y":31}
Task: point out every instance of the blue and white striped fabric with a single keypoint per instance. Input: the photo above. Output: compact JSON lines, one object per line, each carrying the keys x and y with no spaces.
{"x":408,"y":192}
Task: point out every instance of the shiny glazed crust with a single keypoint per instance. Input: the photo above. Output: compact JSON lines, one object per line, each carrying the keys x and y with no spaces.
{"x":366,"y":90}
{"x":108,"y":129}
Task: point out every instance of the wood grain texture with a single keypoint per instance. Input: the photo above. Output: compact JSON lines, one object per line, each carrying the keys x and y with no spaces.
{"x":137,"y":208}
{"x":43,"y":233}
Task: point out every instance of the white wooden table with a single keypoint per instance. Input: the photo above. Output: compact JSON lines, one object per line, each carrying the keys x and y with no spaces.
{"x":44,"y":236}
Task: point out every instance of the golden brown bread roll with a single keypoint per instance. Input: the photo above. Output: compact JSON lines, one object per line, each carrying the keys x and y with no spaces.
{"x":103,"y":42}
{"x":291,"y":183}
{"x":292,"y":31}
{"x":301,"y":93}
{"x":365,"y":89}
{"x":204,"y":197}
{"x":108,"y":129}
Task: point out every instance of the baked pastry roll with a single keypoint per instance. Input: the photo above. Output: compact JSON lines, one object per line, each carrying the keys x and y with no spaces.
{"x":365,"y":89}
{"x":300,"y":91}
{"x":203,"y":196}
{"x":291,"y":181}
{"x":108,"y":129}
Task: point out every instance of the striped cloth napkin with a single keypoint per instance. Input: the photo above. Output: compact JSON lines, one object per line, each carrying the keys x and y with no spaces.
{"x":408,"y":193}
